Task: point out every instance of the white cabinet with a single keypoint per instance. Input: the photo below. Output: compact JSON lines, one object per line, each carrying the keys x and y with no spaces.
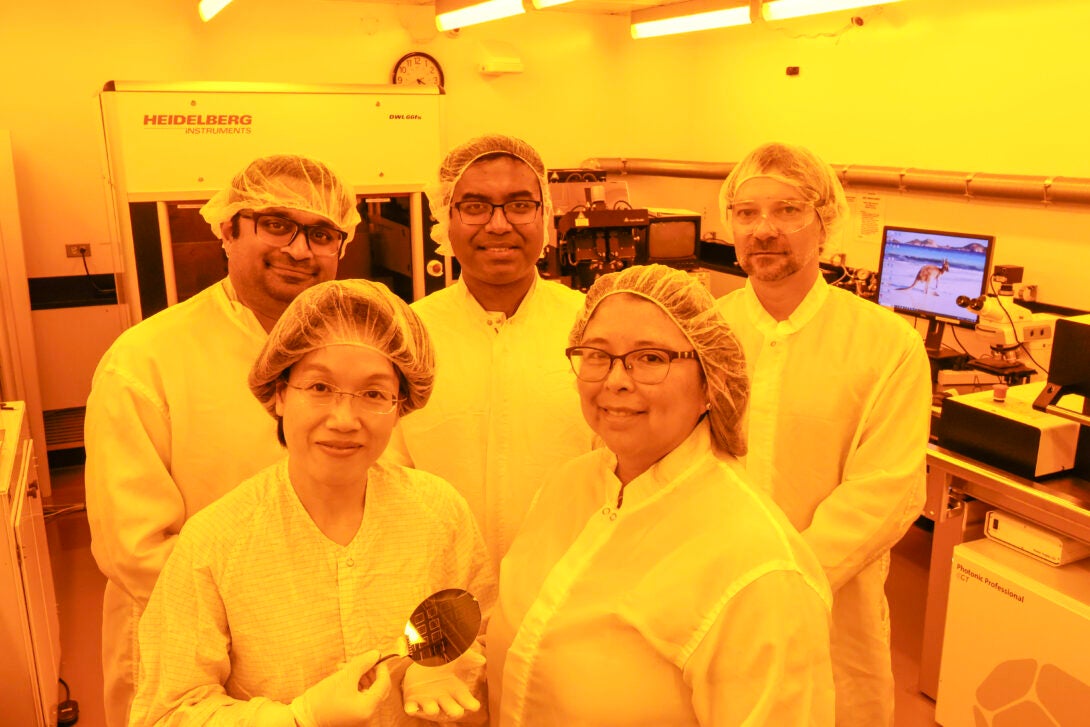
{"x":29,"y":629}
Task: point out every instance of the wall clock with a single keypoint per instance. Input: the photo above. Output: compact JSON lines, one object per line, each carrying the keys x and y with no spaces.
{"x":418,"y":69}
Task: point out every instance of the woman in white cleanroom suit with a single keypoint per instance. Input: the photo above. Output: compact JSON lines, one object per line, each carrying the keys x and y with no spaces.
{"x":650,"y":584}
{"x":271,"y":606}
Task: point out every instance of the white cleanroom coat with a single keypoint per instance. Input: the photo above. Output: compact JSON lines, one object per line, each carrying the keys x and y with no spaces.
{"x":694,"y":603}
{"x":256,"y":604}
{"x":839,"y":413}
{"x":505,"y":411}
{"x":171,"y":426}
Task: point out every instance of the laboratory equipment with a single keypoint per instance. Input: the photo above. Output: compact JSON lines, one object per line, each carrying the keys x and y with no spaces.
{"x":1011,"y":650}
{"x":1069,"y":371}
{"x":923,"y":272}
{"x":594,"y":241}
{"x":1007,"y":328}
{"x":164,"y":160}
{"x":1033,"y":540}
{"x":29,"y":626}
{"x":1009,"y":434}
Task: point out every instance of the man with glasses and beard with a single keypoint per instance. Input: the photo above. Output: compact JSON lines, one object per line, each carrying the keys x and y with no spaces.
{"x":504,"y":411}
{"x":171,"y":424}
{"x":839,"y":405}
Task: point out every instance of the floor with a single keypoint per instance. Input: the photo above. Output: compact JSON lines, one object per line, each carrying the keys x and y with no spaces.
{"x":79,"y":588}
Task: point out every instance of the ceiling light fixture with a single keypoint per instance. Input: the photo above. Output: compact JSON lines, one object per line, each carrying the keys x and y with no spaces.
{"x":784,"y":9}
{"x":207,"y":9}
{"x":541,"y":4}
{"x":688,"y":16}
{"x":452,"y":14}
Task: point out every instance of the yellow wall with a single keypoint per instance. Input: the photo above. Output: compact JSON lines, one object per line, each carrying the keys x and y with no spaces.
{"x":998,"y":86}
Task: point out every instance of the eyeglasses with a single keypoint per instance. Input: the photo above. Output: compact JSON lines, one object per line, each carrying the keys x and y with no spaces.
{"x":644,"y":365}
{"x":517,"y":211}
{"x":374,"y":401}
{"x":278,"y":231}
{"x":787,"y":215}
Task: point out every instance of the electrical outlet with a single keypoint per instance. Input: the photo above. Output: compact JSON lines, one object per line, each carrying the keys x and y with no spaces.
{"x":77,"y":250}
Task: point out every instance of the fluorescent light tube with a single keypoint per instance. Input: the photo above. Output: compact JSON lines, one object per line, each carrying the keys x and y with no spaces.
{"x":784,"y":9}
{"x":687,"y":17}
{"x":207,"y":9}
{"x":451,"y":14}
{"x":540,"y":4}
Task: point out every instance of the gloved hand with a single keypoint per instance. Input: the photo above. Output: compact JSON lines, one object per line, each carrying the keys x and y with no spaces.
{"x":441,"y":693}
{"x":337,"y":701}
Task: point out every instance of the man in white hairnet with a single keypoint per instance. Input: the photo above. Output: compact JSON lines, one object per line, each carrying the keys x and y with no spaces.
{"x":839,"y":409}
{"x":505,"y":410}
{"x":171,"y":424}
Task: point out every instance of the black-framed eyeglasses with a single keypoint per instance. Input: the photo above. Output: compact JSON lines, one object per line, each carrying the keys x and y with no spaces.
{"x":517,"y":211}
{"x":644,"y":365}
{"x":279,"y":231}
{"x":321,"y":394}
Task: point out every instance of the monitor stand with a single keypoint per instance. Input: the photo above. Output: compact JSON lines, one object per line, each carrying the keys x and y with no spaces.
{"x":941,"y":356}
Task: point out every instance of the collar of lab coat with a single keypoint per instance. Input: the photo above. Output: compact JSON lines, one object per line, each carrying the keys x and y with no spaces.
{"x":807,"y":308}
{"x":242,"y":315}
{"x":669,"y":472}
{"x":489,"y":318}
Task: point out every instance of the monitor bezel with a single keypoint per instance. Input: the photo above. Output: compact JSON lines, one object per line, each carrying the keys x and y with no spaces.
{"x":658,"y":219}
{"x":971,"y":318}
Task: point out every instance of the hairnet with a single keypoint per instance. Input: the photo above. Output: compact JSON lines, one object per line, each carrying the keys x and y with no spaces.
{"x":289,"y":181}
{"x":799,"y":167}
{"x":441,"y":193}
{"x":692,"y":308}
{"x":353,"y":312}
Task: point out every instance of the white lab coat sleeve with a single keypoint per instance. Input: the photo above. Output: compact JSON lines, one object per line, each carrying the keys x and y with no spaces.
{"x":134,"y":507}
{"x":883,"y":487}
{"x":185,"y":655}
{"x":765,"y":659}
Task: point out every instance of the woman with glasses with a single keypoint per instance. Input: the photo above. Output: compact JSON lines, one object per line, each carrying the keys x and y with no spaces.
{"x":650,"y":584}
{"x":276,"y":597}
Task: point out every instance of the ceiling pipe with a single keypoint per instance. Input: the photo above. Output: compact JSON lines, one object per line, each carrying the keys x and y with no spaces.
{"x":1023,"y":188}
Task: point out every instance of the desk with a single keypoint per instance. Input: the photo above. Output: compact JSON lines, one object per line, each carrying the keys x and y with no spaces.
{"x":959,"y":492}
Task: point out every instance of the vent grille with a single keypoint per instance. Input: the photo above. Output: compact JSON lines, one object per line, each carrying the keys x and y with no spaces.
{"x":64,"y":428}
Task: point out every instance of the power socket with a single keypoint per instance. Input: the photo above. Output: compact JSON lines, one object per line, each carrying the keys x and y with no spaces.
{"x":77,"y":250}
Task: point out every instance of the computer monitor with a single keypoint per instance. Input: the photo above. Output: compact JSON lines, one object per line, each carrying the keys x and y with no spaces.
{"x":673,"y":238}
{"x":923,"y":272}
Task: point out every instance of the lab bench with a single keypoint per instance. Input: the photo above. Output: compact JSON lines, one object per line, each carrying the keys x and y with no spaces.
{"x":960,"y":491}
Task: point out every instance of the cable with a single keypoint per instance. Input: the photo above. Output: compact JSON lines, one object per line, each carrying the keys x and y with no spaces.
{"x":68,"y":710}
{"x":90,"y":278}
{"x":51,"y":513}
{"x":954,"y":333}
{"x":1014,"y":328}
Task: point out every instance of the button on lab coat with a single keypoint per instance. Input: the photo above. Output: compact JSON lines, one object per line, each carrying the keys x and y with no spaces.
{"x":171,"y":426}
{"x":505,"y":411}
{"x":838,"y":427}
{"x":694,"y":603}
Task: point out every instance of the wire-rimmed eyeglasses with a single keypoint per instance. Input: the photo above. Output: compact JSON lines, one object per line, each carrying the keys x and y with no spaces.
{"x":280,"y":231}
{"x":375,"y":401}
{"x":786,"y":215}
{"x":644,"y":365}
{"x":479,"y":212}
